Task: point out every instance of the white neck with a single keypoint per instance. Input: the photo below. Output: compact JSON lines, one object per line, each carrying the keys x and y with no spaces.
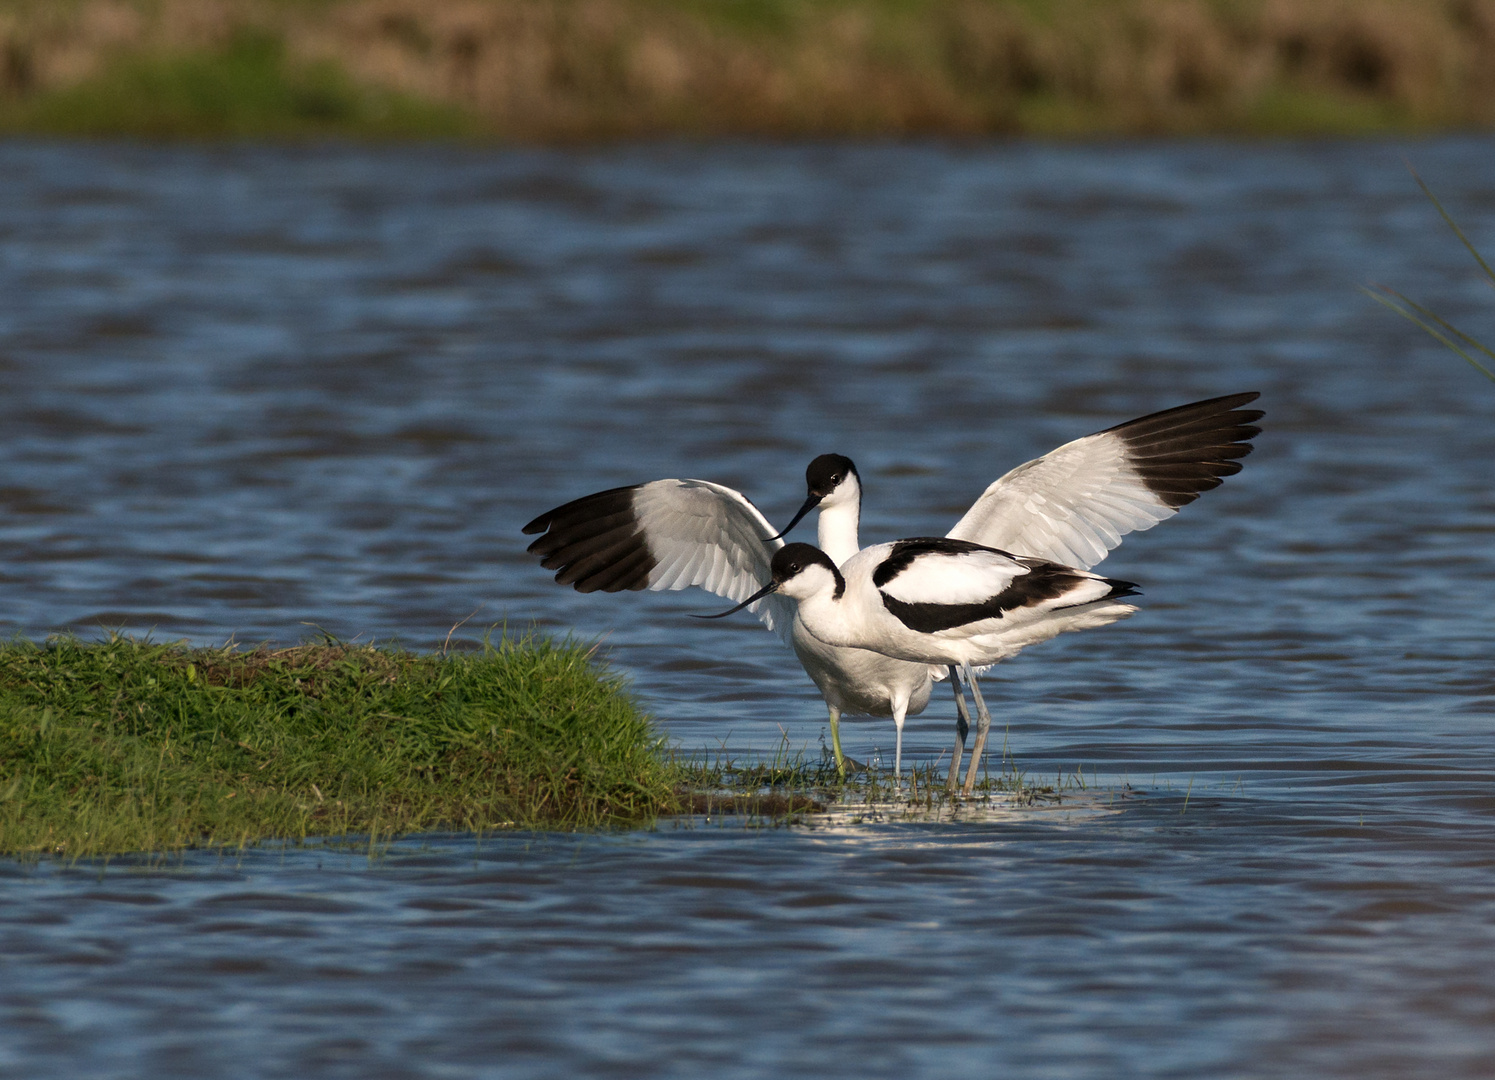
{"x":837,"y":528}
{"x":825,"y":618}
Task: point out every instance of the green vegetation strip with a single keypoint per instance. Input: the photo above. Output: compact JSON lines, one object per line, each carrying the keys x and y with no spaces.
{"x":569,"y":70}
{"x":124,"y":746}
{"x":248,"y":88}
{"x":128,"y":746}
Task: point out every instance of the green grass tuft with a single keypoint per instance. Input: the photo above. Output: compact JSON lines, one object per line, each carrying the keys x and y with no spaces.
{"x":247,"y":89}
{"x":124,"y":745}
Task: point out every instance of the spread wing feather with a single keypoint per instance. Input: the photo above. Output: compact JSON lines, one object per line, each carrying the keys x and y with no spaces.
{"x":666,"y":534}
{"x":1074,"y":504}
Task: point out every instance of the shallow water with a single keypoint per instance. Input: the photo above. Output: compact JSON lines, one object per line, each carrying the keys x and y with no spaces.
{"x":249,"y":392}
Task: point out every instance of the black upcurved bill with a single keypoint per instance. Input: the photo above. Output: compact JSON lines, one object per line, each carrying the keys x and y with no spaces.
{"x":811,"y":503}
{"x":759,"y":595}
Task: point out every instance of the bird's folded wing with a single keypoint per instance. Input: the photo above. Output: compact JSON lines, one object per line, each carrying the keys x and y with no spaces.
{"x":935,"y":585}
{"x":948,"y":577}
{"x":1074,"y":504}
{"x":666,"y":534}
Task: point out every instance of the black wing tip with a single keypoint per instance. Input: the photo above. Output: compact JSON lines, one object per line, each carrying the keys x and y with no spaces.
{"x":588,"y":503}
{"x":610,"y":579}
{"x":1225,"y":402}
{"x":592,"y":584}
{"x":1182,"y":452}
{"x":1226,"y":407}
{"x":594,"y":543}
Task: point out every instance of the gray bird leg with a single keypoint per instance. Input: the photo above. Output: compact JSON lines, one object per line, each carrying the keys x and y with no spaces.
{"x":900,"y":711}
{"x":962,"y":728}
{"x":984,"y":719}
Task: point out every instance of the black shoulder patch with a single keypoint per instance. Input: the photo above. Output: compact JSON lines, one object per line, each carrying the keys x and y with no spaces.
{"x":906,"y":551}
{"x":594,"y":543}
{"x":1044,"y":581}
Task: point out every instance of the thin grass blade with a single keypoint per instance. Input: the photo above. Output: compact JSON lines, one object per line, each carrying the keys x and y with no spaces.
{"x":1410,"y":310}
{"x":1453,"y":225}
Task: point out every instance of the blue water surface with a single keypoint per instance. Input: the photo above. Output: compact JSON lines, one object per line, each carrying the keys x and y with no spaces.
{"x":256,"y":394}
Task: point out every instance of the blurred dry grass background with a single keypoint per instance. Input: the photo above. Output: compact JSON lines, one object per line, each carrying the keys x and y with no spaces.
{"x":557,"y":70}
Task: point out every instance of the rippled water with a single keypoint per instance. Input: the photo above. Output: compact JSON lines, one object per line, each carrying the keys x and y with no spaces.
{"x":249,"y":391}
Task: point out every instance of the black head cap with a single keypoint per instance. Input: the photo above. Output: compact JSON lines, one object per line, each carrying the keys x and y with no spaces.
{"x":792,"y":559}
{"x":789,"y":560}
{"x":827,"y":472}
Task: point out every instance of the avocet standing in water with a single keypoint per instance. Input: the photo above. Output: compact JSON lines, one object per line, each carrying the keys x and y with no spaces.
{"x":668,"y":534}
{"x":1072,"y":505}
{"x":934,"y":600}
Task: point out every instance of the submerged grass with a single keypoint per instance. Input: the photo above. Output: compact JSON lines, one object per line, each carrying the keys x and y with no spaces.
{"x":124,"y":745}
{"x":785,"y":786}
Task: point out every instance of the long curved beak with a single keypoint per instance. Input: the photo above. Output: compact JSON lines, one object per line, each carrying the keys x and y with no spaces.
{"x":810,"y":503}
{"x":759,"y":595}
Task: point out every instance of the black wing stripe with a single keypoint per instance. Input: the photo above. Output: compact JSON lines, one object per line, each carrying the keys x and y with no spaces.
{"x":1044,"y":581}
{"x":906,"y":551}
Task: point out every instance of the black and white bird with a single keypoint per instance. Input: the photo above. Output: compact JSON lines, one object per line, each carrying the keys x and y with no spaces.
{"x":1073,"y":505}
{"x":670,"y":534}
{"x":939,"y":601}
{"x":1070,"y":506}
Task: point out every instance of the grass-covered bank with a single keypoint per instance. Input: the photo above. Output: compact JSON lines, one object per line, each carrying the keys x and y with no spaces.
{"x":555,"y":70}
{"x":123,"y":745}
{"x":245,"y":86}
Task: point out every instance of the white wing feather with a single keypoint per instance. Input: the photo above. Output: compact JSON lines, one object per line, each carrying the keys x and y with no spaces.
{"x":1071,"y":506}
{"x":713,"y":537}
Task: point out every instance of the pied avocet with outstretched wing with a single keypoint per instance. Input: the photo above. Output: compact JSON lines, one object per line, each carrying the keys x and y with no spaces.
{"x":1070,"y":506}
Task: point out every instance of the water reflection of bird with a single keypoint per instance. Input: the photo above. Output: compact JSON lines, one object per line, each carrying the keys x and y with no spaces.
{"x":1071,"y":506}
{"x":939,"y":601}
